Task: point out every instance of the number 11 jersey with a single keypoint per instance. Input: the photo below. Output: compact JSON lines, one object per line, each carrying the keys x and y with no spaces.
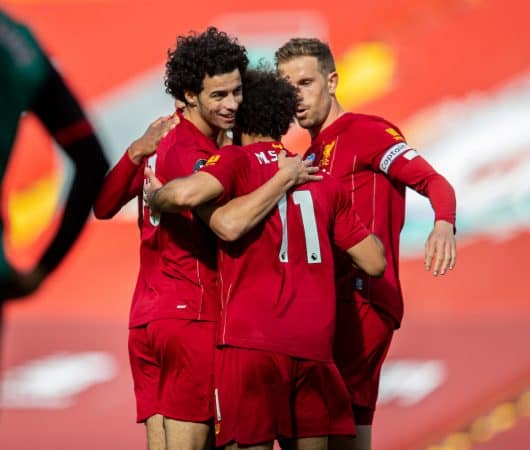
{"x":277,"y":281}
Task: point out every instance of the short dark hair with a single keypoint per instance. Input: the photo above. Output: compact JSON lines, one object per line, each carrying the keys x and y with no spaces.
{"x":210,"y":53}
{"x":297,"y":47}
{"x":269,"y":104}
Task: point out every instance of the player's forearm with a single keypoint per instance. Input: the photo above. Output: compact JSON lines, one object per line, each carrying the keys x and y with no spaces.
{"x":241,"y":214}
{"x":121,"y":184}
{"x":441,"y":196}
{"x":421,"y":176}
{"x":185,"y":193}
{"x":369,"y":256}
{"x":136,"y":153}
{"x":443,"y":199}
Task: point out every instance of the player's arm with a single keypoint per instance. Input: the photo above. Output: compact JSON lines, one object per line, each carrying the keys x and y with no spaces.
{"x":235,"y":218}
{"x":180,"y":194}
{"x":125,"y":179}
{"x":399,"y":162}
{"x":440,"y":247}
{"x":350,"y":234}
{"x":215,"y":178}
{"x":66,"y":122}
{"x":218,"y":177}
{"x":120,"y":185}
{"x":369,"y":255}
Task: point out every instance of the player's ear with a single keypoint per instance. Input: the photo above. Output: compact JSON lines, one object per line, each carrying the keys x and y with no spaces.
{"x":191,"y":98}
{"x":333,"y":80}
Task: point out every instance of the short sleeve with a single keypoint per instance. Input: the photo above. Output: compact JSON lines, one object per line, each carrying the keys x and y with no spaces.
{"x":231,"y":167}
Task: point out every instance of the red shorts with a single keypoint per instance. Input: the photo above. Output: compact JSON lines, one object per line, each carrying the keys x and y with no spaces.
{"x":172,"y":367}
{"x":261,"y":396}
{"x":362,"y":339}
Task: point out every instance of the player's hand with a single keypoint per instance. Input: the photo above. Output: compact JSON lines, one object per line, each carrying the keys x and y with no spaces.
{"x":151,"y":185}
{"x":299,"y":171}
{"x":147,"y":144}
{"x":440,"y":248}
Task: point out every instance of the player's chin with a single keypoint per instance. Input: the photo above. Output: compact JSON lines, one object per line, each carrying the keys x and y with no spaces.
{"x":305,"y":122}
{"x":226,"y":123}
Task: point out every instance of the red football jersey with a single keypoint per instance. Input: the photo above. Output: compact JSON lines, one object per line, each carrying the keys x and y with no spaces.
{"x":372,"y":160}
{"x":123,"y":183}
{"x":186,"y":284}
{"x":277,"y":281}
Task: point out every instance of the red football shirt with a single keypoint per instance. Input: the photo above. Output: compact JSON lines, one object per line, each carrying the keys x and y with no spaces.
{"x":277,"y":281}
{"x":123,"y":183}
{"x":186,"y":284}
{"x":372,"y":160}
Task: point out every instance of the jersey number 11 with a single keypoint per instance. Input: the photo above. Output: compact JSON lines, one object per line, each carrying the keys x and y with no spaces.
{"x":304,"y":200}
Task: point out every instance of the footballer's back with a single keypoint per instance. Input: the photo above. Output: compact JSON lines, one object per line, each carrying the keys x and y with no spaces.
{"x":278,"y":280}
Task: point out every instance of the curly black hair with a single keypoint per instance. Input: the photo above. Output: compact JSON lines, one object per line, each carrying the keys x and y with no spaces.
{"x":269,"y":104}
{"x":210,"y":53}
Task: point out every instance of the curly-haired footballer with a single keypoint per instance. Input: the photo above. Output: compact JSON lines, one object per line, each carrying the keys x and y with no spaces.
{"x":175,"y":303}
{"x":204,"y":72}
{"x":275,"y":377}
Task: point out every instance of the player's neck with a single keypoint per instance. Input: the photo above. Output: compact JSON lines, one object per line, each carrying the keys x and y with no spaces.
{"x":247,"y":139}
{"x":334,"y":113}
{"x":202,"y":125}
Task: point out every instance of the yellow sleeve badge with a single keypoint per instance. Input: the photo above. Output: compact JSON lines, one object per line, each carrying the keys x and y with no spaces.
{"x":395,"y":134}
{"x":212,"y":160}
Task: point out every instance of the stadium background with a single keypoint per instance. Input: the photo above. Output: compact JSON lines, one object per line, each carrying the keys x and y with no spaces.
{"x":454,"y":74}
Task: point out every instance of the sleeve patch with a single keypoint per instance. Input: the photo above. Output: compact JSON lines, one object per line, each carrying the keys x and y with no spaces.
{"x":394,"y":134}
{"x":212,"y":160}
{"x":391,"y":155}
{"x":199,"y":164}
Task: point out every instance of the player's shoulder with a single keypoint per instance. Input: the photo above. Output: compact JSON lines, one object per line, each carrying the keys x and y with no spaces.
{"x":233,"y":152}
{"x":327,"y":194}
{"x":184,"y":141}
{"x":333,"y":185}
{"x":15,"y":33}
{"x":178,"y":154}
{"x":181,"y":135}
{"x":358,"y":122}
{"x":263,"y":153}
{"x":327,"y":187}
{"x":166,"y":144}
{"x":370,"y":133}
{"x":230,"y":155}
{"x":21,"y":53}
{"x":231,"y":149}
